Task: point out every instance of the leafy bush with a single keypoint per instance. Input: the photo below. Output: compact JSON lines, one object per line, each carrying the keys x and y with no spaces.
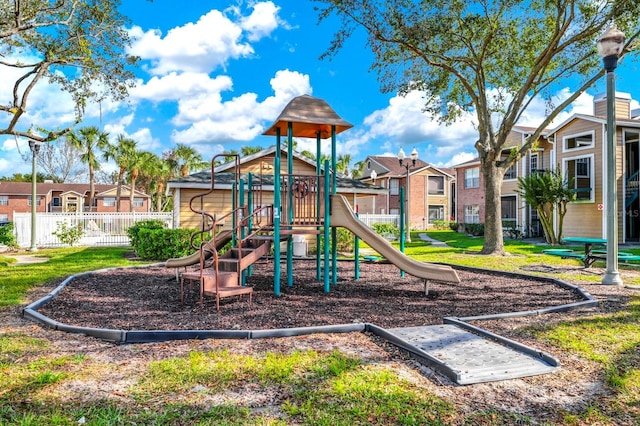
{"x":476,"y":229}
{"x":68,"y":235}
{"x":386,"y":230}
{"x":7,"y":237}
{"x":443,"y":225}
{"x":345,"y":241}
{"x":134,"y":231}
{"x":162,"y":244}
{"x":454,"y":226}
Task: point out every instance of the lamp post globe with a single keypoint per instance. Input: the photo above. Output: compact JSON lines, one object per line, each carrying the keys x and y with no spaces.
{"x":610,"y":45}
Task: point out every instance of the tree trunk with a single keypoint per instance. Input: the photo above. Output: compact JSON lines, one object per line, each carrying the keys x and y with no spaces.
{"x":493,"y":238}
{"x":92,"y":187}
{"x":119,"y":188}
{"x":545,"y":216}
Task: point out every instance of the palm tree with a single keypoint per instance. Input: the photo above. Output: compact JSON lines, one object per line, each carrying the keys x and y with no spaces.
{"x":356,"y":172}
{"x":157,"y":171}
{"x":186,"y":159}
{"x":121,"y":153}
{"x":248,"y":150}
{"x":342,"y":164}
{"x":136,"y":160}
{"x":89,"y":140}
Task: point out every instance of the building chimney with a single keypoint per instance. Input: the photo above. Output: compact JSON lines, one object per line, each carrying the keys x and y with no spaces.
{"x":623,"y":105}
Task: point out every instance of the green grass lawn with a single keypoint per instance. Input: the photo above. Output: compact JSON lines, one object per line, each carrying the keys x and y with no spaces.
{"x":317,"y":388}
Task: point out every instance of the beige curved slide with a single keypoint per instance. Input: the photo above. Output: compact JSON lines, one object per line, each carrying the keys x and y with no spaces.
{"x":222,"y":238}
{"x":343,"y":216}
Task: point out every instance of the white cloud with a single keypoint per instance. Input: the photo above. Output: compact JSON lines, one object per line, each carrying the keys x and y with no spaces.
{"x":205,"y":45}
{"x":262,"y":21}
{"x":242,"y":118}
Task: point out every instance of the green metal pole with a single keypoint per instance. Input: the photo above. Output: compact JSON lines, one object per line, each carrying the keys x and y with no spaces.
{"x":234,"y":221}
{"x":291,"y":212}
{"x":250,"y":212}
{"x":327,"y":225}
{"x":334,"y":190}
{"x":402,"y":227}
{"x":356,"y":252}
{"x":318,"y":204}
{"x":240,"y":218}
{"x":276,"y":216}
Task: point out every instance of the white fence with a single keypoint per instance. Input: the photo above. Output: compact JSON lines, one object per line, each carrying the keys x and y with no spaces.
{"x":370,"y":219}
{"x":100,"y":229}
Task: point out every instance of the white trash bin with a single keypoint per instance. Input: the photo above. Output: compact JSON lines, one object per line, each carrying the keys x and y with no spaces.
{"x":299,"y":246}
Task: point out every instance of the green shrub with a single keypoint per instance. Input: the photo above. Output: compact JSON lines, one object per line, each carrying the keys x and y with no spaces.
{"x":476,"y":229}
{"x":444,"y":225}
{"x":7,"y":237}
{"x":68,"y":235}
{"x":162,"y":244}
{"x":134,"y":231}
{"x":344,"y":241}
{"x":454,"y":226}
{"x":386,"y":229}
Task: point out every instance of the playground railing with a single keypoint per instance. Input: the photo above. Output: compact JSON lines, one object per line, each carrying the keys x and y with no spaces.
{"x":301,"y":197}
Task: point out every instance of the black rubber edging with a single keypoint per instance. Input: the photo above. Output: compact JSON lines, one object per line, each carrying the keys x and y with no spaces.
{"x":151,"y":336}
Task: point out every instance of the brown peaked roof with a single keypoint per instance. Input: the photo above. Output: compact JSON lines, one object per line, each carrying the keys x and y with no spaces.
{"x":309,"y":116}
{"x":393,"y":165}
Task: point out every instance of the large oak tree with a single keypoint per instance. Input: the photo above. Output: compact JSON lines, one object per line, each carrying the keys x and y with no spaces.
{"x":79,"y":45}
{"x":488,"y":58}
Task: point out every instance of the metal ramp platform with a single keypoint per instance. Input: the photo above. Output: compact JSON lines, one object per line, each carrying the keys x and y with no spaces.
{"x":466,"y":357}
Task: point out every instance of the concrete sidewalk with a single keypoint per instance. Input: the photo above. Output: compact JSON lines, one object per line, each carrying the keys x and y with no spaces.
{"x":424,"y":237}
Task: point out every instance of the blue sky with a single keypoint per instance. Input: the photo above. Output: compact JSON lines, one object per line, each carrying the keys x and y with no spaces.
{"x":216,"y":74}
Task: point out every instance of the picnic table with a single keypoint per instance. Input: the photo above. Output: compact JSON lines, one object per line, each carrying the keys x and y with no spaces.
{"x":589,"y":255}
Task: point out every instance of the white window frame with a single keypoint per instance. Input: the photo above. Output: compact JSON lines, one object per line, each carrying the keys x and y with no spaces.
{"x":444,"y":185}
{"x":514,"y":168}
{"x":440,"y":214}
{"x":109,"y":201}
{"x":565,"y":167}
{"x":475,"y":181}
{"x":534,"y":158}
{"x":138,"y":202}
{"x":4,"y":200}
{"x":472,"y":213}
{"x":394,"y":186}
{"x":4,"y":217}
{"x":565,"y":140}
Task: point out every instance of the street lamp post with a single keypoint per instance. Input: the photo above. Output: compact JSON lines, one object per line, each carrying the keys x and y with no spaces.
{"x":35,"y":148}
{"x":401,"y":158}
{"x":610,"y":45}
{"x":373,"y":177}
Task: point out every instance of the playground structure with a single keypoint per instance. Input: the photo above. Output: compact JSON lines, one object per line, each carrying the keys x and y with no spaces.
{"x":301,"y":205}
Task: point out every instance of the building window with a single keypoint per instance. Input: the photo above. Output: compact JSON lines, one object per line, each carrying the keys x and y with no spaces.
{"x":436,"y":213}
{"x":472,"y":178}
{"x":533,"y":163}
{"x":138,"y":202}
{"x":38,"y":200}
{"x":109,"y":202}
{"x":394,"y":187}
{"x":436,"y":185}
{"x":4,"y":200}
{"x":512,"y":172}
{"x":579,"y":172}
{"x":56,"y":202}
{"x":472,"y":214}
{"x":578,"y":141}
{"x":509,"y":212}
{"x":4,"y":217}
